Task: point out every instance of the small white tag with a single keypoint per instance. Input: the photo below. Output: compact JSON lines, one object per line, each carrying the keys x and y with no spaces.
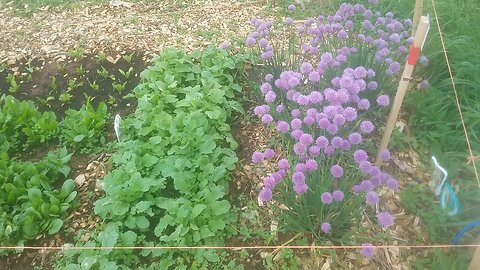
{"x":116,"y":126}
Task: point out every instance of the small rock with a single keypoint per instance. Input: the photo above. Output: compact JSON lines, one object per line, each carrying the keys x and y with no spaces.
{"x":80,"y":179}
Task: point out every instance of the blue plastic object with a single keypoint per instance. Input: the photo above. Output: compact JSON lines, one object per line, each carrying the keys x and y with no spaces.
{"x":442,"y":188}
{"x":465,"y":229}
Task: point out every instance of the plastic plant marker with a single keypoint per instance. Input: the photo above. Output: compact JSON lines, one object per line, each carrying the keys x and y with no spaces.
{"x":116,"y":126}
{"x":442,"y":188}
{"x":438,"y":178}
{"x":449,"y":199}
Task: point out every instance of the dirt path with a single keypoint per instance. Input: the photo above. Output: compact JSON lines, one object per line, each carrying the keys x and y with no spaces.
{"x":146,"y":27}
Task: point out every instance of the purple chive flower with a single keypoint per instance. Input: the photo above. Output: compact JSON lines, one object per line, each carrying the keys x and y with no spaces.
{"x":395,"y":67}
{"x":311,"y":165}
{"x":326,"y":198}
{"x":372,"y":198}
{"x":296,"y":123}
{"x":266,"y":55}
{"x":269,"y":182}
{"x":270,"y":96}
{"x":385,"y":155}
{"x":259,"y":110}
{"x":250,"y":41}
{"x":298,"y":177}
{"x":342,"y":34}
{"x":366,"y":186}
{"x":224,"y":45}
{"x":336,"y":171}
{"x":257,"y":157}
{"x":306,"y":67}
{"x":393,"y":184}
{"x":385,"y":219}
{"x":296,"y":133}
{"x":424,"y":84}
{"x":325,"y":227}
{"x":291,"y":7}
{"x":360,"y":155}
{"x":339,"y":120}
{"x":283,"y":126}
{"x":300,"y":167}
{"x":365,"y":167}
{"x":314,"y":76}
{"x":306,"y":139}
{"x":355,"y":138}
{"x":299,"y":149}
{"x":283,"y":164}
{"x":372,"y":85}
{"x":395,"y":38}
{"x":269,"y":153}
{"x":337,"y":142}
{"x":383,"y":100}
{"x":322,"y":142}
{"x":410,"y":40}
{"x":268,"y":77}
{"x":360,"y":72}
{"x":267,"y":118}
{"x":338,"y":195}
{"x":296,"y":113}
{"x":314,"y":150}
{"x":263,"y":42}
{"x":265,"y":88}
{"x":329,"y":150}
{"x":265,"y":195}
{"x":280,"y":108}
{"x":363,"y":104}
{"x":350,"y":114}
{"x":288,"y":21}
{"x":332,"y":129}
{"x":300,"y":188}
{"x":367,"y":249}
{"x":346,"y":145}
{"x":423,"y":60}
{"x":366,"y":126}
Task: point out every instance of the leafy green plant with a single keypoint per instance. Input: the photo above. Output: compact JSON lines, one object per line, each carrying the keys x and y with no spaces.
{"x":53,"y":83}
{"x":127,"y":73}
{"x":83,"y":129}
{"x":95,"y":87}
{"x":128,"y":58}
{"x":65,"y":98}
{"x":22,"y":124}
{"x":77,"y":53}
{"x":119,"y":87}
{"x":101,"y":57}
{"x":14,"y":86}
{"x":72,"y":84}
{"x":103,"y":72}
{"x":171,"y":167}
{"x":80,"y":71}
{"x":30,"y":202}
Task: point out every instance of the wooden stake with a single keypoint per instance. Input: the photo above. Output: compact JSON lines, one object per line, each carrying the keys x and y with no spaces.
{"x":417,"y":14}
{"x":420,"y":36}
{"x":475,"y":262}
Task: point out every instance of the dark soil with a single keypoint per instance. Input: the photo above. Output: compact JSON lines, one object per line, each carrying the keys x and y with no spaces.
{"x":45,"y":80}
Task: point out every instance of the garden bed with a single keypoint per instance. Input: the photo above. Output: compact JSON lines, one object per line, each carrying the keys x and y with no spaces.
{"x":200,"y":152}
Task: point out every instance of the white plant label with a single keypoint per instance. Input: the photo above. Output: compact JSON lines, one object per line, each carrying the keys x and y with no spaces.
{"x":116,"y":126}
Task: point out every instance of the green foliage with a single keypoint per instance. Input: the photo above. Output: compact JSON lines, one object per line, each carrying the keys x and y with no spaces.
{"x":440,"y":227}
{"x":21,"y":124}
{"x":30,"y":202}
{"x":171,"y":168}
{"x":436,"y":121}
{"x":83,"y":129}
{"x":443,"y":260}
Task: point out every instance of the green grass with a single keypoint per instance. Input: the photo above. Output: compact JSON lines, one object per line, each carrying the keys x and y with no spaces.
{"x":435,"y":118}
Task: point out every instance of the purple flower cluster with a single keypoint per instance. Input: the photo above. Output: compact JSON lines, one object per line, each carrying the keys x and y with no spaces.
{"x":321,"y":105}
